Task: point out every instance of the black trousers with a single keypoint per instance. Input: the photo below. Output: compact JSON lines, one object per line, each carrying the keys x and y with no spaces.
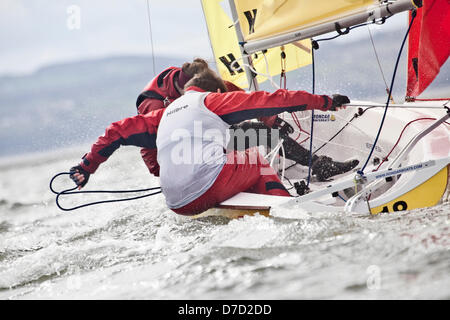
{"x":250,"y":134}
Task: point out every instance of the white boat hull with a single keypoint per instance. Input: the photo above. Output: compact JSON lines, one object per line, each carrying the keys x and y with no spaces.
{"x":418,"y":188}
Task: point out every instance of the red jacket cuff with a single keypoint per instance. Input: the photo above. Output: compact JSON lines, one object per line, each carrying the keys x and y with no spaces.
{"x":328,"y":102}
{"x":88,"y":164}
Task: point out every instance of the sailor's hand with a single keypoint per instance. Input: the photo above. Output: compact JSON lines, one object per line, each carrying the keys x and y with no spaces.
{"x":338,"y":102}
{"x":79,"y":176}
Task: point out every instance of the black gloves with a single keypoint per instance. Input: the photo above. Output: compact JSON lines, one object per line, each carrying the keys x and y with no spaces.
{"x":284,"y":127}
{"x":80,"y":170}
{"x":338,"y":101}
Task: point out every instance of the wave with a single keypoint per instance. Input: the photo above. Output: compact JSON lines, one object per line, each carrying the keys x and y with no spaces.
{"x":13,"y":205}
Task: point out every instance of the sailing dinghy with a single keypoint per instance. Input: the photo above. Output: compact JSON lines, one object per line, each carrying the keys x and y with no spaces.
{"x":404,"y":149}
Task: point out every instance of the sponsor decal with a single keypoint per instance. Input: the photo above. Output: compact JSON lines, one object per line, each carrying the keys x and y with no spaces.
{"x":176,"y":110}
{"x":324,"y":117}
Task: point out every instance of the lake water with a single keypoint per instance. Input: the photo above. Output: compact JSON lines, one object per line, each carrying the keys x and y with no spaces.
{"x":142,"y":250}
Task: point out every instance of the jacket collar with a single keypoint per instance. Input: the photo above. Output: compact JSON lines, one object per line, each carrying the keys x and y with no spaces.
{"x":194,"y":88}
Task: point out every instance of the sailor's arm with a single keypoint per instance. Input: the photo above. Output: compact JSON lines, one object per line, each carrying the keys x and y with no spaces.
{"x":234,"y":107}
{"x":138,"y":131}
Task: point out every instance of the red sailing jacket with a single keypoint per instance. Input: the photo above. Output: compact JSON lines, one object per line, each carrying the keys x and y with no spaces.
{"x":231,"y":107}
{"x":159,"y":90}
{"x":158,"y":94}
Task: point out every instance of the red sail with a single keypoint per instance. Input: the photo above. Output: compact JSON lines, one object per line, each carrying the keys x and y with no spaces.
{"x":429,"y":45}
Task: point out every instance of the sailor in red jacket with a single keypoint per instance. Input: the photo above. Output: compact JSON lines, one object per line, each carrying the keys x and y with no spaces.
{"x":169,"y":85}
{"x":196,"y":172}
{"x":159,"y":93}
{"x":162,"y":90}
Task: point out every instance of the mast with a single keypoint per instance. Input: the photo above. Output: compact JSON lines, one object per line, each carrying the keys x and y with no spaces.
{"x":383,"y":9}
{"x":251,"y":77}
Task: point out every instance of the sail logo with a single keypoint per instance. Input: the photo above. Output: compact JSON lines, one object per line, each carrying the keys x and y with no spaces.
{"x":324,"y":117}
{"x":231,"y":64}
{"x":251,"y":17}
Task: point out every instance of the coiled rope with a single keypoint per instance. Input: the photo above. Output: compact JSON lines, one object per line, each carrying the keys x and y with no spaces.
{"x":71,"y":192}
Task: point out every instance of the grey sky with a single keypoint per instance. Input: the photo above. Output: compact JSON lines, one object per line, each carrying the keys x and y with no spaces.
{"x":34,"y":33}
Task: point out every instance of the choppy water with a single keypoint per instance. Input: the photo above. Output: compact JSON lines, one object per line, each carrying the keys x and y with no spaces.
{"x":141,"y":250}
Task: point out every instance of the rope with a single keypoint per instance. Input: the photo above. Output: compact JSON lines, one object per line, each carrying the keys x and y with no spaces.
{"x":284,"y":162}
{"x":361,"y":172}
{"x":71,"y":192}
{"x":312,"y":116}
{"x":236,"y":67}
{"x":356,"y":115}
{"x":346,"y":146}
{"x":383,"y":20}
{"x":299,"y":126}
{"x":379,"y":64}
{"x":274,"y":150}
{"x":283,"y":78}
{"x":434,"y":99}
{"x":340,"y":197}
{"x":151,"y":37}
{"x":400,"y":136}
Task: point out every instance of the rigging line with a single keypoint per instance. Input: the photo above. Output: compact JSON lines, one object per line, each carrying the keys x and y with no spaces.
{"x":434,"y":99}
{"x":400,"y":136}
{"x":274,"y":150}
{"x":354,"y":125}
{"x":379,"y":63}
{"x":344,"y":146}
{"x":238,"y":67}
{"x":284,"y":163}
{"x":275,"y":154}
{"x":405,"y":106}
{"x":313,"y":65}
{"x":268,"y":72}
{"x":151,"y":37}
{"x":335,"y":135}
{"x":361,"y":172}
{"x":329,"y":141}
{"x":290,"y":115}
{"x":340,"y":197}
{"x":354,"y":27}
{"x":268,"y":75}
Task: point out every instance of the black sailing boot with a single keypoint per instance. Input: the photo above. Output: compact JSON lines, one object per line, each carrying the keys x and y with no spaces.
{"x":295,"y":152}
{"x":324,"y":167}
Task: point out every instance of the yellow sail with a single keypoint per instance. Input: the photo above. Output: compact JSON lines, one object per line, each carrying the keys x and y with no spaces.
{"x":226,"y":48}
{"x":266,"y":18}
